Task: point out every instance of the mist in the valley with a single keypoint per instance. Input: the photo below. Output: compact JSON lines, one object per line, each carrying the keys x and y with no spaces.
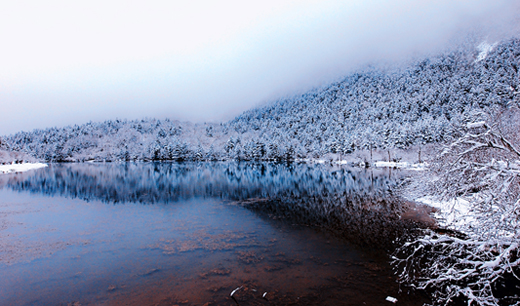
{"x":65,"y":63}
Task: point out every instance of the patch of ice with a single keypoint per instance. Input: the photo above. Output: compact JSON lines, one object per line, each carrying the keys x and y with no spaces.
{"x":391,"y":299}
{"x":14,"y":168}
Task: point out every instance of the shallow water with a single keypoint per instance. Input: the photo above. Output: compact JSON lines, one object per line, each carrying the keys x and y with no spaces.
{"x":189,"y":234}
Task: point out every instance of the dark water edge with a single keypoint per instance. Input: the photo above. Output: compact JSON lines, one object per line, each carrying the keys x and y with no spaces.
{"x":189,"y":234}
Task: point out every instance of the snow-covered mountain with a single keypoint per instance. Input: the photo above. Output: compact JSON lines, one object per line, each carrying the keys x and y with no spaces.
{"x":424,"y":102}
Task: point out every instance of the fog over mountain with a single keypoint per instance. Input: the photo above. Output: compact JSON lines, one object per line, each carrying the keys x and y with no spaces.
{"x":396,"y":108}
{"x":65,"y":63}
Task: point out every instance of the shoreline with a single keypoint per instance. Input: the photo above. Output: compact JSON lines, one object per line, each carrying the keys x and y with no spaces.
{"x":17,"y":168}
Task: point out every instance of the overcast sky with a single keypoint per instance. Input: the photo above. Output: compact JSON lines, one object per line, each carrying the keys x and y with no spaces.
{"x":67,"y":62}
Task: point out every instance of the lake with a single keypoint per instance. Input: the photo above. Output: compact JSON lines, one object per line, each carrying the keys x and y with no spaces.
{"x":191,"y":233}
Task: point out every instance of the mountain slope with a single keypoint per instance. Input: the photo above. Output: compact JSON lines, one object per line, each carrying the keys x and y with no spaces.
{"x":420,"y":104}
{"x":424,"y":102}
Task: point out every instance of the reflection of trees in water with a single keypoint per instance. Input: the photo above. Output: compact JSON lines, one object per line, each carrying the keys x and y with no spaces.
{"x":368,"y":220}
{"x":149,"y":183}
{"x":356,"y":203}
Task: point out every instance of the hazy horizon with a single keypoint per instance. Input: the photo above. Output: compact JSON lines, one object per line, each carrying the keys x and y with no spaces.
{"x":67,"y":63}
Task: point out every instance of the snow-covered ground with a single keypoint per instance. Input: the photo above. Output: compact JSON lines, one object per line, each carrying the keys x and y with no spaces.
{"x":13,"y":168}
{"x":452,"y":214}
{"x":484,"y":49}
{"x":377,"y":164}
{"x":402,"y":165}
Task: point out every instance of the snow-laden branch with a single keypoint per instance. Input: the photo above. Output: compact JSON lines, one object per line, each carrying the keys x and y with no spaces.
{"x":456,"y":269}
{"x":480,"y":168}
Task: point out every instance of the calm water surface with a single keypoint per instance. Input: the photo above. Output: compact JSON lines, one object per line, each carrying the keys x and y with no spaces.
{"x":189,"y":234}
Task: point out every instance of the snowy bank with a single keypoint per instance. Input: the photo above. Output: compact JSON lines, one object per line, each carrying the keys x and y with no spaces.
{"x":402,"y":165}
{"x":376,"y":164}
{"x":452,"y":214}
{"x":14,"y":168}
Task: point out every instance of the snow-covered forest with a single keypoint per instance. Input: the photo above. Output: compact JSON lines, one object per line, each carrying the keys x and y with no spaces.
{"x":425,"y":102}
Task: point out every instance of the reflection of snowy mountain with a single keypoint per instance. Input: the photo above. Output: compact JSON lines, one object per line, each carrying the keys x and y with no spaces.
{"x":394,"y":108}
